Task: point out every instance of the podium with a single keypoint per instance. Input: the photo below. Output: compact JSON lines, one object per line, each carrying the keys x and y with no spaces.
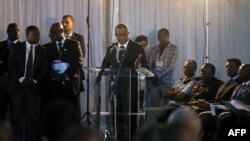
{"x":116,"y":106}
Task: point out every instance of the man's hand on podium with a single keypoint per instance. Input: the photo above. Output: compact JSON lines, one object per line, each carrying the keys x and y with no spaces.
{"x":137,"y":63}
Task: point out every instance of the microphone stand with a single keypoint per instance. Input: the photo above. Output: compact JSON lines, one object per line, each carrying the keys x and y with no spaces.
{"x":113,"y":90}
{"x":98,"y":96}
{"x":87,"y":114}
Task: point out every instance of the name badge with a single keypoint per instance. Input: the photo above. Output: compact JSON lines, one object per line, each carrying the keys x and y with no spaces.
{"x":158,"y":65}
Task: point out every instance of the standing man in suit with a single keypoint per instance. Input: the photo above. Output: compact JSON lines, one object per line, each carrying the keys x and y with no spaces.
{"x":64,"y":84}
{"x":13,"y":31}
{"x":27,"y":68}
{"x":68,"y":23}
{"x":133,"y":56}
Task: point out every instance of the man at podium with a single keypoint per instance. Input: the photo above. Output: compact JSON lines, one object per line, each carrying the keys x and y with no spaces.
{"x":122,"y":56}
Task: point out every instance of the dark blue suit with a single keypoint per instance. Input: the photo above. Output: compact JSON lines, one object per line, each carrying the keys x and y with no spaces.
{"x":68,"y":89}
{"x":25,"y":100}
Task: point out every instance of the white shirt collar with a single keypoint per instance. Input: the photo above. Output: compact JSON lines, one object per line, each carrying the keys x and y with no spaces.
{"x":246,"y":83}
{"x":125,"y":45}
{"x":62,"y":41}
{"x":28,"y":44}
{"x":69,"y":35}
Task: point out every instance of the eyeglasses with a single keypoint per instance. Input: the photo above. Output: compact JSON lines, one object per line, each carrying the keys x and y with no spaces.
{"x":121,"y":34}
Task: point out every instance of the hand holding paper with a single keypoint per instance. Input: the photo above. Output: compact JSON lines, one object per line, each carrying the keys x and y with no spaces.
{"x":59,"y":66}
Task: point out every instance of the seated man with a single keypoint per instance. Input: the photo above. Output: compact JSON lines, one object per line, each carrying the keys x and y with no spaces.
{"x":183,"y":87}
{"x":178,"y":93}
{"x":224,"y":93}
{"x":240,"y":120}
{"x":207,"y":87}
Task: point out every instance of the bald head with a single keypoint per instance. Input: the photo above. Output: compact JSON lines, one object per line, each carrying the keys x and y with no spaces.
{"x":56,"y":32}
{"x":187,"y":122}
{"x":244,"y":72}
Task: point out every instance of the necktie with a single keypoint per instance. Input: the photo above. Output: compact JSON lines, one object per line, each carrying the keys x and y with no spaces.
{"x":60,"y":49}
{"x":29,"y":65}
{"x":121,"y":52}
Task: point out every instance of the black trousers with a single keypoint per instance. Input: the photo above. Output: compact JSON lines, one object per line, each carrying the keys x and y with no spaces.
{"x":24,"y":108}
{"x":4,"y":103}
{"x":62,"y":91}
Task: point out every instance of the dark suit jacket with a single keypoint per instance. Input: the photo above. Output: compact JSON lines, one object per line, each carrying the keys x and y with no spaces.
{"x":245,"y":94}
{"x":225,"y":91}
{"x":73,"y":55}
{"x":206,"y":90}
{"x":17,"y":67}
{"x":123,"y":87}
{"x":80,"y":38}
{"x":4,"y":54}
{"x":133,"y":51}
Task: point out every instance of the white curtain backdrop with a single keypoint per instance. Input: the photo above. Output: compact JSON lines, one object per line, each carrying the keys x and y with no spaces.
{"x":228,"y":29}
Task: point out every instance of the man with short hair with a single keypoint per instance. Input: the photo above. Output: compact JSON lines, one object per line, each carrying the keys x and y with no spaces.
{"x":13,"y":31}
{"x":224,"y":92}
{"x":68,"y":23}
{"x":162,"y":62}
{"x":131,"y":55}
{"x":64,"y":83}
{"x":27,"y":68}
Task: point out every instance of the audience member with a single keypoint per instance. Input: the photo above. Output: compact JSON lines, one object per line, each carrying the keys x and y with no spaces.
{"x":82,"y":133}
{"x":156,"y":132}
{"x":224,"y":93}
{"x":5,"y":131}
{"x":177,"y":94}
{"x":208,"y":85}
{"x":68,"y":23}
{"x":27,"y":68}
{"x":64,"y":83}
{"x":225,"y":90}
{"x":182,"y":89}
{"x":132,"y":55}
{"x":162,"y":62}
{"x":58,"y":117}
{"x":241,"y":119}
{"x":13,"y":31}
{"x":187,"y":123}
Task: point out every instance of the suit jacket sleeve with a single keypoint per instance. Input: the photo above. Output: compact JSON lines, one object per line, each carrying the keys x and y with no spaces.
{"x":76,"y":59}
{"x":41,"y":55}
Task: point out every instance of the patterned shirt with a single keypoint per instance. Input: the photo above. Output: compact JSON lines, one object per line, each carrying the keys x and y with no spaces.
{"x":185,"y":87}
{"x":169,"y":58}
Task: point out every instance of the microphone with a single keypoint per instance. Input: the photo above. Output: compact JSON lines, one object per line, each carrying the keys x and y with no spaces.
{"x":111,"y":51}
{"x":114,"y":47}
